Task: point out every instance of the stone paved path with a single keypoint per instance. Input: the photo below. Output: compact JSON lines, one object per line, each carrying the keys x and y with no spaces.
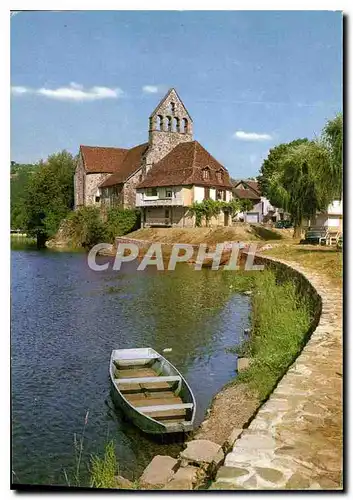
{"x":295,"y":440}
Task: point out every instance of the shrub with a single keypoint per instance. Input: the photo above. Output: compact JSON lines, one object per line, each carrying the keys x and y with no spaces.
{"x":120,"y":222}
{"x":85,"y":227}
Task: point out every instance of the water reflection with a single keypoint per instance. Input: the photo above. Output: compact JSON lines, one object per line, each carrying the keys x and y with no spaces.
{"x":66,"y":319}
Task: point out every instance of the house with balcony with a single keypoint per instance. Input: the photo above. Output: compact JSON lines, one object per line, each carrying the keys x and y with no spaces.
{"x":186,"y":175}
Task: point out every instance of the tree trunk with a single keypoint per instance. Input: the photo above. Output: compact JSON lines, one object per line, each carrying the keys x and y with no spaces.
{"x":41,"y":239}
{"x":298,"y":231}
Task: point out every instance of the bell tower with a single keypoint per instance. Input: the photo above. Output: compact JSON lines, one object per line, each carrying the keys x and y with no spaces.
{"x":169,"y":125}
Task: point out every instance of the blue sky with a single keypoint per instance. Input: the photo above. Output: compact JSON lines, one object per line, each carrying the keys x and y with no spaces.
{"x":250,"y":80}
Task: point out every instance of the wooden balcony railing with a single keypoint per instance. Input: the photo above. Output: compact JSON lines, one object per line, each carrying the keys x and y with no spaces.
{"x":160,"y":202}
{"x":158,"y":221}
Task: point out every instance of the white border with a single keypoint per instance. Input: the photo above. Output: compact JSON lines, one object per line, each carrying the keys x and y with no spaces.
{"x":5,"y":153}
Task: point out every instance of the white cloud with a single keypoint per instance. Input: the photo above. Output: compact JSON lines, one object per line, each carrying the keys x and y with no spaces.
{"x":76,"y":85}
{"x":150,"y":89}
{"x":251,"y":136}
{"x":74,"y":92}
{"x":19,"y":90}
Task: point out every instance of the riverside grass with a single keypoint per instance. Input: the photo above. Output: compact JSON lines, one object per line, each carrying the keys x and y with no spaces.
{"x":280,"y":322}
{"x":103,"y":470}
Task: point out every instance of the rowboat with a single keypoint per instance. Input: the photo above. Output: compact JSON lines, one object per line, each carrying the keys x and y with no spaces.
{"x":151,"y":391}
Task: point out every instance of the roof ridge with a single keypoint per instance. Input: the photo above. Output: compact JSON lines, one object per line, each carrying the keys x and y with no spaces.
{"x":164,"y":99}
{"x":103,"y":147}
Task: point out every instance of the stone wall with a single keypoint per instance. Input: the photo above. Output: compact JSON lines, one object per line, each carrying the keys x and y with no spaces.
{"x":129,"y":189}
{"x":112,"y":196}
{"x":92,"y":182}
{"x":161,"y":144}
{"x":164,"y":136}
{"x":79,"y":183}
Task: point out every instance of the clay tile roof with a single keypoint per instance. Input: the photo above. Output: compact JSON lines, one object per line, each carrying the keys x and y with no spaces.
{"x":184,"y":166}
{"x":98,"y":159}
{"x":250,"y":184}
{"x":129,"y":165}
{"x":254,"y":185}
{"x":246,"y":194}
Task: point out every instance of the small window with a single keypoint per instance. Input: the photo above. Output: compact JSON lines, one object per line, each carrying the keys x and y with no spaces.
{"x":168,"y":193}
{"x":151,"y":192}
{"x":220,"y":176}
{"x":205,"y":174}
{"x":140,"y":177}
{"x":98,"y":199}
{"x":220,"y":194}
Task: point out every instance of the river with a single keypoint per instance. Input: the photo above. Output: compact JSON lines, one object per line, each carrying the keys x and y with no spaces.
{"x":66,"y":319}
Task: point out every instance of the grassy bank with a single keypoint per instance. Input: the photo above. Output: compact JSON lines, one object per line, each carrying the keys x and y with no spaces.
{"x":327,"y":261}
{"x":280,"y":321}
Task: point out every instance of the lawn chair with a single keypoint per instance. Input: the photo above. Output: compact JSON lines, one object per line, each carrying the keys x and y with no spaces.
{"x":332,"y":237}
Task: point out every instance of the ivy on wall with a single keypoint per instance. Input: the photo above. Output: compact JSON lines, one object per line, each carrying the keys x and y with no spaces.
{"x":207,"y":209}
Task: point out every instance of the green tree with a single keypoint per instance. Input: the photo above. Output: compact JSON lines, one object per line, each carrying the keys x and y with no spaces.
{"x":332,"y":138}
{"x":20,"y":175}
{"x":271,"y":170}
{"x":299,"y":186}
{"x":304,"y":176}
{"x":246,"y":205}
{"x":49,"y":196}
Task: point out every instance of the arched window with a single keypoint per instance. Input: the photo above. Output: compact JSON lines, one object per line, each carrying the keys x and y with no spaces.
{"x":176,"y":124}
{"x":171,"y":108}
{"x":185,"y":125}
{"x":169,"y":123}
{"x":181,"y":126}
{"x":159,"y":122}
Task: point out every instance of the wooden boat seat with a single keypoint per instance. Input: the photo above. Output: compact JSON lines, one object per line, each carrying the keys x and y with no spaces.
{"x":133,"y":357}
{"x":165,"y":408}
{"x":130,"y":388}
{"x":143,"y":380}
{"x":157,"y":386}
{"x":146,"y":401}
{"x":136,"y":373}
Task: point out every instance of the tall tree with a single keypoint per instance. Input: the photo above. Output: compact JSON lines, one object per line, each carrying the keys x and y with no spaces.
{"x":49,"y":196}
{"x":299,"y":186}
{"x":271,"y":169}
{"x":303,"y":176}
{"x":332,"y":137}
{"x":20,"y":175}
